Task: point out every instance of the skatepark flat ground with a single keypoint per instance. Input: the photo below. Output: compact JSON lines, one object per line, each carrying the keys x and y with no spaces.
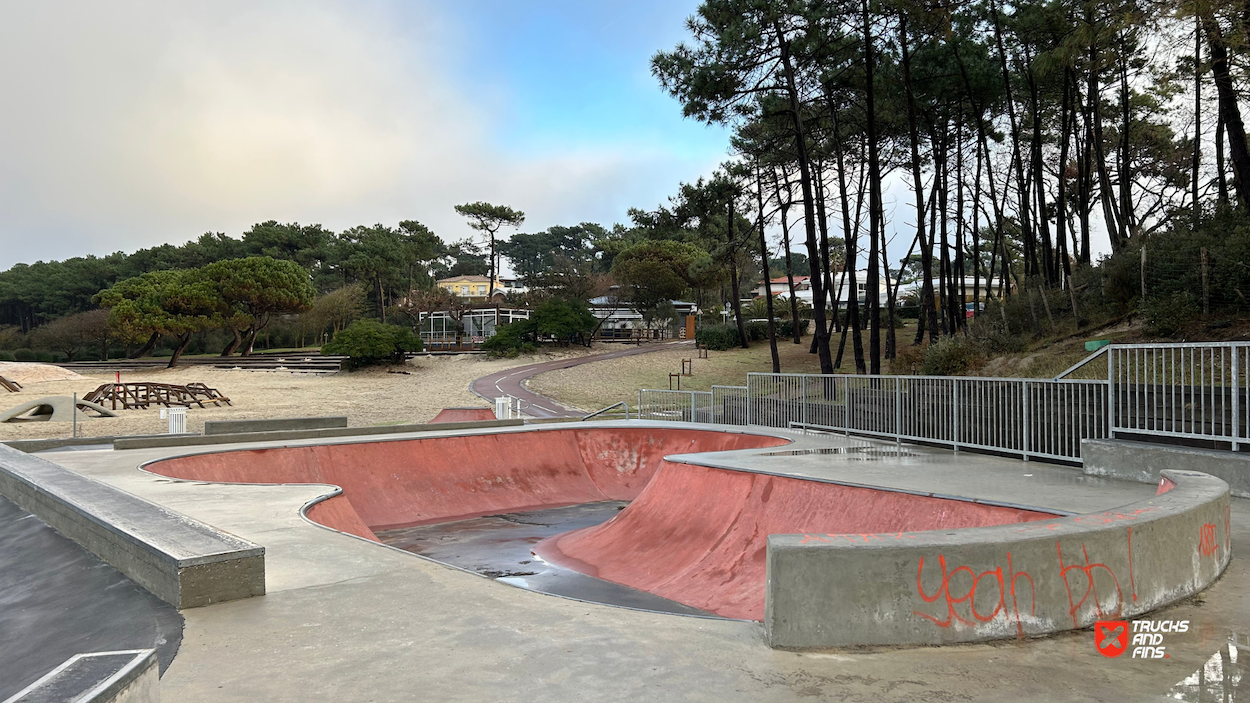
{"x":349,"y":620}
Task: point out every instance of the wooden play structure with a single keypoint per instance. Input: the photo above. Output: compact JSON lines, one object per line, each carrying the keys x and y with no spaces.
{"x":10,"y":386}
{"x":137,"y":396}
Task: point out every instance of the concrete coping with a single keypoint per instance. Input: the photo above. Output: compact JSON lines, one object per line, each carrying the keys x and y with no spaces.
{"x":287,"y":435}
{"x":42,"y":445}
{"x":156,"y":547}
{"x":216,"y":427}
{"x":1143,"y":461}
{"x":1014,"y":580}
{"x":97,"y":677}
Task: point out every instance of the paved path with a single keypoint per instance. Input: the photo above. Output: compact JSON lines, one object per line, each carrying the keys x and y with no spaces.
{"x":512,"y":381}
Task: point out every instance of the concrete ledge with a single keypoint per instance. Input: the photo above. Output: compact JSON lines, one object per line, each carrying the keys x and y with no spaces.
{"x":1144,"y":461}
{"x":196,"y":440}
{"x":179,"y":560}
{"x":129,"y":676}
{"x":43,"y":445}
{"x":1018,"y":580}
{"x":215,"y":427}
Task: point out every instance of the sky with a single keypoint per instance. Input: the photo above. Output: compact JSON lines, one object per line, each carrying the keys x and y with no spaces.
{"x":129,"y":124}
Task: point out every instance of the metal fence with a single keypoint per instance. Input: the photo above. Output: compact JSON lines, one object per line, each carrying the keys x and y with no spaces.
{"x":729,"y":405}
{"x":1191,"y":391}
{"x":682,"y":406}
{"x":1030,"y":417}
{"x":1194,"y":391}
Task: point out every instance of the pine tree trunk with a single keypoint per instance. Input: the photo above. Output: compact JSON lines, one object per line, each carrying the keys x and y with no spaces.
{"x":183,"y":342}
{"x":913,"y":133}
{"x":231,"y":346}
{"x":147,"y":347}
{"x":768,"y":284}
{"x":733,"y":273}
{"x":875,"y":208}
{"x":1230,"y":114}
{"x":809,"y":211}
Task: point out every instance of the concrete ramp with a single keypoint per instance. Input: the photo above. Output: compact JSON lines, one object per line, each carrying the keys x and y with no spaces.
{"x":401,"y":483}
{"x":462,"y":415}
{"x":699,"y":535}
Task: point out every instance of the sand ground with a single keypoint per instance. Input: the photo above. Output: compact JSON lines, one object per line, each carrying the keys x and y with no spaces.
{"x":593,"y":386}
{"x":380,"y":396}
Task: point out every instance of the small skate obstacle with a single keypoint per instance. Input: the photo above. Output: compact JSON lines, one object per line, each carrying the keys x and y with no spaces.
{"x":10,"y":386}
{"x":140,"y":396}
{"x":54,"y":408}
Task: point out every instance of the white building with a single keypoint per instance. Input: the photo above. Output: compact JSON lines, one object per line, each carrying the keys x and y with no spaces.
{"x":841,"y":287}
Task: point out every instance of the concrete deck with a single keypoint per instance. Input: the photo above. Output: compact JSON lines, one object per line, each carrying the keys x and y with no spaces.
{"x":349,"y":620}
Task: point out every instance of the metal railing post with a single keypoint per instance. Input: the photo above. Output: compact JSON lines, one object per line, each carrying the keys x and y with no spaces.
{"x":1024,"y":425}
{"x":750,"y":402}
{"x":1236,"y":397}
{"x":846,"y":415}
{"x":1111,"y":394}
{"x":898,"y":413}
{"x":640,"y":404}
{"x":955,"y":410}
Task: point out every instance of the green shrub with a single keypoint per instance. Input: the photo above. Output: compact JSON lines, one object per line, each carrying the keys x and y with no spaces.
{"x":1167,"y":315}
{"x":24,"y":355}
{"x":951,"y":356}
{"x":367,"y":342}
{"x":512,"y":340}
{"x":990,"y":334}
{"x":725,"y":336}
{"x":565,"y":320}
{"x":7,"y":356}
{"x":717,"y":337}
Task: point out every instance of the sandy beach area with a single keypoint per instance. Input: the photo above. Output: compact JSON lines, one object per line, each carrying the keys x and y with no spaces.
{"x":376,"y":396}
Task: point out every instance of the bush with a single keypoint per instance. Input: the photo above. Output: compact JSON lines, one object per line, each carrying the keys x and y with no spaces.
{"x":7,"y":356}
{"x":990,"y":335}
{"x":24,"y":355}
{"x":951,"y":356}
{"x":367,"y":342}
{"x":717,"y":337}
{"x":1167,"y":315}
{"x":565,"y":320}
{"x":725,"y":336}
{"x":512,"y":340}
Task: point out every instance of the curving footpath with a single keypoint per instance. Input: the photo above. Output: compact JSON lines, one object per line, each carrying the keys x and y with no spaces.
{"x":512,"y":381}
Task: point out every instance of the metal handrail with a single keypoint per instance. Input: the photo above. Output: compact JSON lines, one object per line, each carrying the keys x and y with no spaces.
{"x":1072,"y":369}
{"x":604,"y":410}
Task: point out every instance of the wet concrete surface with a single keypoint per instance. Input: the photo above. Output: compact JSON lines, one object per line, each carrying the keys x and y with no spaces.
{"x":57,"y":600}
{"x":498,"y":546}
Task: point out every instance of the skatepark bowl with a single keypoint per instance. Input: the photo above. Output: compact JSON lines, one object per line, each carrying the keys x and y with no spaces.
{"x":675,"y":519}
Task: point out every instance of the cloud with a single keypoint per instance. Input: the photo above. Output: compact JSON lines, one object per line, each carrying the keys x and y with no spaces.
{"x":129,"y":124}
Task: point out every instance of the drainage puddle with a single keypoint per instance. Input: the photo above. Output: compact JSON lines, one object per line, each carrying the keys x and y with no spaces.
{"x":866,"y":453}
{"x":498,"y":546}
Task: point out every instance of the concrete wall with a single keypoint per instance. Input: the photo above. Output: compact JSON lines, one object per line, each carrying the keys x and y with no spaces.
{"x":40,"y":445}
{"x":290,"y":423}
{"x":179,"y":560}
{"x":948,"y":586}
{"x":131,"y":676}
{"x":1144,"y":461}
{"x":284,"y":435}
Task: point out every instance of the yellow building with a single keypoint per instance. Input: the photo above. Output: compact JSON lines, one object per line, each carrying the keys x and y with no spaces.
{"x":467,"y":287}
